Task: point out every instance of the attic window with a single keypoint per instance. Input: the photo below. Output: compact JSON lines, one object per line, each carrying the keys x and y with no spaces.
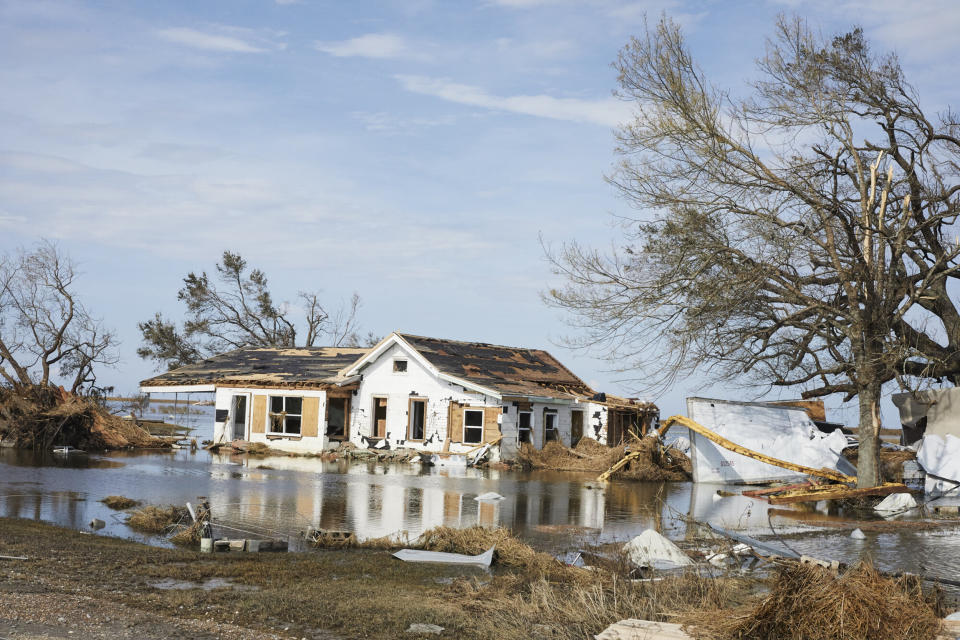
{"x":399,"y":366}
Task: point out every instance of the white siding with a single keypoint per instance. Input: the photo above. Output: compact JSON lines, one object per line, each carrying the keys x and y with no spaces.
{"x":380,"y":380}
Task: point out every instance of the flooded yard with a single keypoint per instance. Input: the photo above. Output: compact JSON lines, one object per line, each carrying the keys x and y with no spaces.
{"x":556,"y":511}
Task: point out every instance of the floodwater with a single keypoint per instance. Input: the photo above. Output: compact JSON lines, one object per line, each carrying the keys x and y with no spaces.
{"x":280,"y":497}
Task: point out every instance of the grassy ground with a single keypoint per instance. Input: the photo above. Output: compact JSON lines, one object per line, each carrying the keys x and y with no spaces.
{"x":346,"y":593}
{"x":335,"y":593}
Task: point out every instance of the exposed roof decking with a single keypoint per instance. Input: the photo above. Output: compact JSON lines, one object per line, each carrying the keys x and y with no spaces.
{"x":265,"y":367}
{"x":511,"y":371}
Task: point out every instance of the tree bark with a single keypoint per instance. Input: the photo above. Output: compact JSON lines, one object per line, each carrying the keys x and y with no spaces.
{"x":868,"y":471}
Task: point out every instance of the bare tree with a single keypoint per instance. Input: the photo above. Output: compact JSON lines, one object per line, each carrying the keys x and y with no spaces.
{"x":798,"y":237}
{"x":44,"y":327}
{"x":236,"y":309}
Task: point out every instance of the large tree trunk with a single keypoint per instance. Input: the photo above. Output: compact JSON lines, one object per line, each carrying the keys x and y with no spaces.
{"x":868,"y":471}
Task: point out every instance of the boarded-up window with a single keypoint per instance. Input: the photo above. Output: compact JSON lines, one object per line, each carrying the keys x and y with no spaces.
{"x":418,"y":419}
{"x":455,"y":422}
{"x":259,"y":420}
{"x":491,"y":423}
{"x":311,"y":417}
{"x":473,"y":426}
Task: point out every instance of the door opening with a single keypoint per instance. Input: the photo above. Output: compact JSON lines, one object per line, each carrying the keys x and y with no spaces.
{"x":379,"y":417}
{"x":239,"y":424}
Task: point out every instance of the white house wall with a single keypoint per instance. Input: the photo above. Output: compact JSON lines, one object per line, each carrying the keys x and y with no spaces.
{"x":302,"y":444}
{"x":380,"y":380}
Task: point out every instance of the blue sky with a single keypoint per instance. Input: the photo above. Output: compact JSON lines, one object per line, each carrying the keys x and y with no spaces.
{"x":412,"y":151}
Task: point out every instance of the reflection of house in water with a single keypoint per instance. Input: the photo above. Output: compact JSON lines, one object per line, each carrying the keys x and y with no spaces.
{"x":408,"y":391}
{"x":376,"y":501}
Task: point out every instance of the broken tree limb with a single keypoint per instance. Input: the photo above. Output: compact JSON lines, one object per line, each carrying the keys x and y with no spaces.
{"x":624,"y":461}
{"x":696,"y":427}
{"x":834,"y":492}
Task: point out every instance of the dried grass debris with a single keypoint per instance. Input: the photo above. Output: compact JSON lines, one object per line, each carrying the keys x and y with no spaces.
{"x":808,"y":602}
{"x":152,"y":519}
{"x":120,"y":502}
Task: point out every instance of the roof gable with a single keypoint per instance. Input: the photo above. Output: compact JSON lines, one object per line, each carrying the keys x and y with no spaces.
{"x":508,"y":370}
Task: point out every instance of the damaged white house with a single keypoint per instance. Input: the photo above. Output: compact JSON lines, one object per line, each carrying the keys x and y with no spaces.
{"x":408,"y":391}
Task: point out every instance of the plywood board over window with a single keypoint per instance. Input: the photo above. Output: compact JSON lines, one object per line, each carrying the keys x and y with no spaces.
{"x":311,"y":417}
{"x":259,"y":421}
{"x":491,"y":429}
{"x":455,"y":422}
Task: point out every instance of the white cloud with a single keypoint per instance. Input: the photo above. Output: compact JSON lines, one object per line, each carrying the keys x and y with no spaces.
{"x":371,"y":45}
{"x":537,"y":49}
{"x":208,"y":41}
{"x":608,"y":112}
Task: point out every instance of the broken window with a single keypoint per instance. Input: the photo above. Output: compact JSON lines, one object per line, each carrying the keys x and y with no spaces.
{"x":399,"y":366}
{"x":576,"y":427}
{"x":473,"y":425}
{"x":525,"y":426}
{"x":285,"y":415}
{"x":550,"y":431}
{"x":337,"y":418}
{"x":418,"y":419}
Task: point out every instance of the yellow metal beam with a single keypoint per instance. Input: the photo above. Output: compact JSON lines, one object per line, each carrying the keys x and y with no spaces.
{"x":696,"y":427}
{"x":619,"y":465}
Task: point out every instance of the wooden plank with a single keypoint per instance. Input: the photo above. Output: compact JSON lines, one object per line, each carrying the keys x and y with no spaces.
{"x":310,"y":419}
{"x":491,"y":429}
{"x":696,"y":427}
{"x":836,"y":492}
{"x":455,"y":422}
{"x":259,"y":420}
{"x":643,"y":630}
{"x":758,"y":493}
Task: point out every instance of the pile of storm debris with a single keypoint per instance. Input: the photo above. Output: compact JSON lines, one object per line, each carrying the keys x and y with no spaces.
{"x":647,"y":459}
{"x":42,"y":417}
{"x":346,"y":451}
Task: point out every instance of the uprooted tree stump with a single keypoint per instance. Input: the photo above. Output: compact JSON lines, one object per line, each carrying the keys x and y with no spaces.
{"x":40,"y":417}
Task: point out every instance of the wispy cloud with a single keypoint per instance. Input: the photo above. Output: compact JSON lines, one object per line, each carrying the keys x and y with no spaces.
{"x":229,"y":40}
{"x":608,"y":112}
{"x":371,"y":45}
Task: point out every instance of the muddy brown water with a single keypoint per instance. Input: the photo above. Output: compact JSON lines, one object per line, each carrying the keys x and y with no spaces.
{"x":556,"y":511}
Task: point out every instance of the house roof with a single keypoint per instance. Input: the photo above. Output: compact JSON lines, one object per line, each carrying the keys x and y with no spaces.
{"x":265,"y":367}
{"x":512,"y":371}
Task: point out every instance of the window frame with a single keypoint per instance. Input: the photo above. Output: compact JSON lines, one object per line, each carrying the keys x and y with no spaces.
{"x":529,"y":429}
{"x":346,"y":419}
{"x":410,"y":415}
{"x":406,"y":365}
{"x":473,"y":427}
{"x":556,"y":426}
{"x":285,"y":416}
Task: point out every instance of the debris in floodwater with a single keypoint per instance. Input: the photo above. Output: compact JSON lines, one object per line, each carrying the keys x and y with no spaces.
{"x":650,"y":549}
{"x":418,"y":555}
{"x":857,"y":534}
{"x":488,"y":496}
{"x":895,"y":504}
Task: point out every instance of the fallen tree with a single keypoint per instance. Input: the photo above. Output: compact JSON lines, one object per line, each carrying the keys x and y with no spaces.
{"x":40,"y":417}
{"x":653,"y":462}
